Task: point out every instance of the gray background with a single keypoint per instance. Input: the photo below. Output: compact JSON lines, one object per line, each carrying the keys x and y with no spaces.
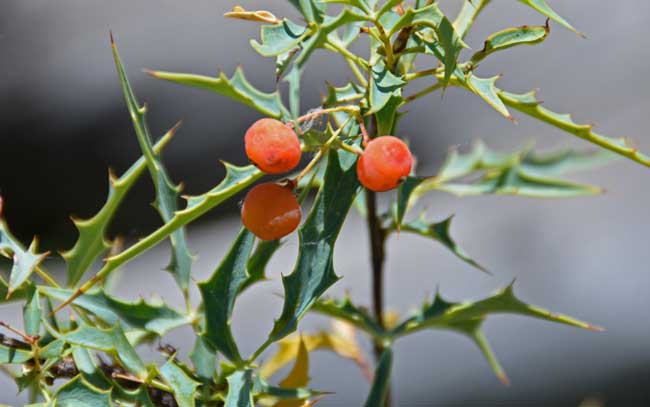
{"x":63,"y":122}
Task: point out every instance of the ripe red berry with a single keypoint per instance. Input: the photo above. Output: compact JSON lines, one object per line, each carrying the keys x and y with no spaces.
{"x":270,"y":211}
{"x":384,"y":162}
{"x":272,"y":146}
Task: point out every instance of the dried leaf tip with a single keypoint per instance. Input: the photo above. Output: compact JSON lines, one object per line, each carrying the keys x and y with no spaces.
{"x":1,"y":207}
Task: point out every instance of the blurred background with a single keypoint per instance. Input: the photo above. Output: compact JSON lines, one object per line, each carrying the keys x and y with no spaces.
{"x":64,"y":122}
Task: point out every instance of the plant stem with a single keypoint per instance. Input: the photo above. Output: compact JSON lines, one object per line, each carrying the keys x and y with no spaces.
{"x":377,"y":252}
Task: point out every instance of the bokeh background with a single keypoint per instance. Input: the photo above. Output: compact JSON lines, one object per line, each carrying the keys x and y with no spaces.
{"x":63,"y":123}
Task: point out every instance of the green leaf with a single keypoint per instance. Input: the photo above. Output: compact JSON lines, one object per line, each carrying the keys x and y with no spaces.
{"x":486,"y":89}
{"x":542,"y":7}
{"x":11,"y":353}
{"x":329,"y":25}
{"x":18,"y":294}
{"x":451,"y":44}
{"x":381,"y":382}
{"x":565,"y":161}
{"x":388,"y":116}
{"x":314,"y":271}
{"x":24,"y":261}
{"x":441,"y":314}
{"x":79,"y":393}
{"x":388,"y":6}
{"x":279,"y":38}
{"x":439,"y":232}
{"x":404,"y":192}
{"x":237,"y":88}
{"x":182,"y":385}
{"x":360,"y":4}
{"x":87,"y":366}
{"x":429,"y":16}
{"x":258,"y":261}
{"x":236,"y":180}
{"x":240,"y":389}
{"x":483,"y":171}
{"x":467,"y":15}
{"x":313,"y":11}
{"x":293,"y":79}
{"x":32,"y":312}
{"x":204,"y":360}
{"x":150,"y":317}
{"x":92,"y":242}
{"x":511,"y":37}
{"x":384,"y":86}
{"x":167,"y":193}
{"x":341,"y":95}
{"x":345,"y":310}
{"x":527,"y":103}
{"x":220,"y":292}
{"x":112,"y":341}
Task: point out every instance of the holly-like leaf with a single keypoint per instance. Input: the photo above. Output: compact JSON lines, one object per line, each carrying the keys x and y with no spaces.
{"x":280,"y":38}
{"x":314,"y":271}
{"x":527,"y":103}
{"x":313,"y":11}
{"x":402,"y":203}
{"x":237,"y":88}
{"x":467,"y":15}
{"x":257,"y":262}
{"x":329,"y":25}
{"x":32,"y":312}
{"x":204,"y":360}
{"x":92,"y":241}
{"x":112,"y":341}
{"x":24,"y":261}
{"x":384,"y":86}
{"x":486,"y":89}
{"x":77,"y":392}
{"x":451,"y":44}
{"x":150,"y":317}
{"x":167,"y":193}
{"x":345,"y":310}
{"x":12,"y":352}
{"x":220,"y":292}
{"x":381,"y":382}
{"x":542,"y":7}
{"x":511,"y":37}
{"x":17,"y":295}
{"x":182,"y":385}
{"x":440,"y":232}
{"x":240,"y":389}
{"x":483,"y":171}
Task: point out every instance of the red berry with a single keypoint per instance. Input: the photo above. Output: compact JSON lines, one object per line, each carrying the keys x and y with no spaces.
{"x":272,"y":146}
{"x":384,"y":162}
{"x":270,"y":211}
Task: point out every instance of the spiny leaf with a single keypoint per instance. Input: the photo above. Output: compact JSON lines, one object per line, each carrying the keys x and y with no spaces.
{"x":388,"y":116}
{"x":404,"y":192}
{"x":381,"y":382}
{"x":237,"y":88}
{"x":24,"y":261}
{"x":345,"y":310}
{"x":32,"y":312}
{"x":527,"y":103}
{"x":19,"y":294}
{"x":240,"y":389}
{"x":451,"y":44}
{"x":204,"y":360}
{"x":314,"y":271}
{"x":542,"y":7}
{"x":167,"y":193}
{"x":279,"y":38}
{"x":485,"y":88}
{"x":153,"y":318}
{"x":112,"y":341}
{"x":329,"y":25}
{"x":440,"y":232}
{"x":467,"y":15}
{"x":441,"y":314}
{"x":77,"y":392}
{"x":313,"y":11}
{"x":220,"y":292}
{"x":511,"y":37}
{"x":92,"y":242}
{"x":256,"y":266}
{"x":384,"y":86}
{"x":500,"y":173}
{"x":182,"y":385}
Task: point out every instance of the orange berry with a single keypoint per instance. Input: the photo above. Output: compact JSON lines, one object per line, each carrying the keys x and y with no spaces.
{"x":384,"y":162}
{"x":272,"y":146}
{"x":270,"y":211}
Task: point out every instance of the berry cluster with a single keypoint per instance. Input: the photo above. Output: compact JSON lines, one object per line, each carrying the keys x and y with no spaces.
{"x":272,"y":211}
